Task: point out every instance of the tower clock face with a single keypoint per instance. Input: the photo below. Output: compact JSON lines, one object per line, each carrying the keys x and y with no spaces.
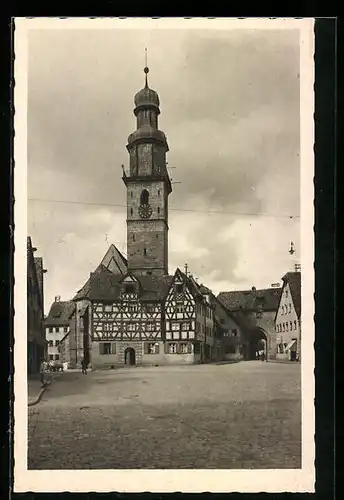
{"x":145,"y":211}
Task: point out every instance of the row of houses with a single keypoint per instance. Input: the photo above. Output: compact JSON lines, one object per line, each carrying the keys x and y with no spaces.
{"x":118,"y":318}
{"x":36,"y":342}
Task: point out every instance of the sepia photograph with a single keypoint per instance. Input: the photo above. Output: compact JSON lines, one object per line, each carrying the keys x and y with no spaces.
{"x":164,"y":254}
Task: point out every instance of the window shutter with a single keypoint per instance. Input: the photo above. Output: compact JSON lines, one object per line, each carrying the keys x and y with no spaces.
{"x":157,"y":349}
{"x":178,"y":349}
{"x":101,"y":348}
{"x":145,"y":347}
{"x":113,"y":347}
{"x":189,"y":348}
{"x":166,"y":347}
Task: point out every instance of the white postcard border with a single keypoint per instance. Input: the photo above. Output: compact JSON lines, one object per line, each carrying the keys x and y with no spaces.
{"x":218,"y":481}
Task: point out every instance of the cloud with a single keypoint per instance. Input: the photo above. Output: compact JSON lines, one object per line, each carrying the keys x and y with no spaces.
{"x":230,"y":110}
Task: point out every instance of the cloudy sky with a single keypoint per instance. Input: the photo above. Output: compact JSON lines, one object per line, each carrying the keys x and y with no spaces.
{"x":230,"y":110}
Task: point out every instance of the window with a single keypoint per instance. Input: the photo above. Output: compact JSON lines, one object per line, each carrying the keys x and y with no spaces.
{"x":131,"y":327}
{"x":179,"y":288}
{"x":158,"y":192}
{"x":183,"y":348}
{"x":107,"y":327}
{"x":295,"y":324}
{"x":157,"y":236}
{"x":225,"y":334}
{"x":132,"y":308}
{"x":152,"y":348}
{"x":130,"y":288}
{"x":175,"y":326}
{"x":131,"y":211}
{"x":133,"y":237}
{"x":51,"y":343}
{"x":57,"y":329}
{"x":185,"y":326}
{"x":145,"y":251}
{"x":284,"y":327}
{"x":282,"y":310}
{"x":131,"y":194}
{"x":290,"y":308}
{"x":144,"y":198}
{"x":286,"y":294}
{"x":106,"y":348}
{"x":158,"y":210}
{"x":51,"y":329}
{"x":51,"y":357}
{"x":65,"y":329}
{"x":291,"y":326}
{"x":57,"y":357}
{"x":180,"y":308}
{"x":172,"y":348}
{"x":230,"y":349}
{"x":57,"y":342}
{"x":235,"y":332}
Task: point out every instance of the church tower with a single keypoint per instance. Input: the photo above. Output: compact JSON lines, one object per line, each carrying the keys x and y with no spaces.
{"x":148,"y":187}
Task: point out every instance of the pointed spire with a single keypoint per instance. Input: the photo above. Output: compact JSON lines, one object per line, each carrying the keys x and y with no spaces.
{"x":146,"y":69}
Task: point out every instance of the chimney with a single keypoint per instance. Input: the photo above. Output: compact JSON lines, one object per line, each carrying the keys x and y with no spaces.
{"x":254,"y":289}
{"x":57,"y":298}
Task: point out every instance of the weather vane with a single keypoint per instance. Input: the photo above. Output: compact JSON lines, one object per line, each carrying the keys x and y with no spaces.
{"x":292,"y":249}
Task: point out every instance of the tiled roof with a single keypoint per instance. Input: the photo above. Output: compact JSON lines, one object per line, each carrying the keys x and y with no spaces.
{"x":105,"y":285}
{"x":251,"y":300}
{"x":113,"y":261}
{"x":294,"y":280}
{"x":60,"y":313}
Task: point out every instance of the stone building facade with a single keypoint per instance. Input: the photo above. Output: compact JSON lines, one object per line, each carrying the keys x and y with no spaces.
{"x":255,"y":311}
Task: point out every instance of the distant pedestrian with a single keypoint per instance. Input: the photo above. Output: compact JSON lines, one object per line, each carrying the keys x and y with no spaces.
{"x":84,"y":367}
{"x":42,"y":370}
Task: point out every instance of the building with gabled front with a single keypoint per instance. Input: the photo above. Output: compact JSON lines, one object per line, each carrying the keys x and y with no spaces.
{"x":288,"y":318}
{"x":57,"y":331}
{"x":255,"y":311}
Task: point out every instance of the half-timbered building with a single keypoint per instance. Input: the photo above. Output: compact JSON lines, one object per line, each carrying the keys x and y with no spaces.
{"x":132,"y":311}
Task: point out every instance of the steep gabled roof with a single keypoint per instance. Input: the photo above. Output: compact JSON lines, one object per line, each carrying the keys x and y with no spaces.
{"x":60,"y":313}
{"x":113,"y":262}
{"x":294,"y":281}
{"x":251,"y":300}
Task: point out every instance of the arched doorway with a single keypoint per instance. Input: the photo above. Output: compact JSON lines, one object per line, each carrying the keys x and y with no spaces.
{"x":129,"y":356}
{"x":257,"y":346}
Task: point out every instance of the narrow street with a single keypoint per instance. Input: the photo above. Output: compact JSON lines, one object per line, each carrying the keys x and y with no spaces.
{"x":244,"y":415}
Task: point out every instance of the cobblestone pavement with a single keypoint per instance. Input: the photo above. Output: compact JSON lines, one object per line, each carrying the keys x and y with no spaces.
{"x":244,"y":415}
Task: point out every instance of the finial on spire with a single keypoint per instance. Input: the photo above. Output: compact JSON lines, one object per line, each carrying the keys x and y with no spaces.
{"x":146,"y":69}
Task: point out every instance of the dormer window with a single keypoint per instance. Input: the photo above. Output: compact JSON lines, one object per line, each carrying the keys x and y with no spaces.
{"x":129,"y":288}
